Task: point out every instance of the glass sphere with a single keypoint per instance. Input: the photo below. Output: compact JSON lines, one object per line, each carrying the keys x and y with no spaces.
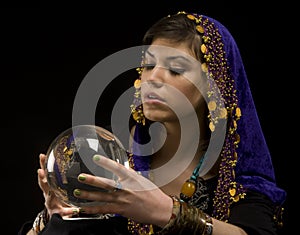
{"x":71,"y":153}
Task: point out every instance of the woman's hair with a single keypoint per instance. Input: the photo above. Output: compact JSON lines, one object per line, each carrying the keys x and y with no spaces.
{"x":177,"y":29}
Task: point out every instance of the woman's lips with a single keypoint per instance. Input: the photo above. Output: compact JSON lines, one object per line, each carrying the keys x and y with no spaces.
{"x":153,"y":97}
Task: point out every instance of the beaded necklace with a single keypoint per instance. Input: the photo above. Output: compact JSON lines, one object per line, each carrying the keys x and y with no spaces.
{"x":190,"y":186}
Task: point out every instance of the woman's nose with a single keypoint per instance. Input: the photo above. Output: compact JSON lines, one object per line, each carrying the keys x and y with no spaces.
{"x":156,"y":76}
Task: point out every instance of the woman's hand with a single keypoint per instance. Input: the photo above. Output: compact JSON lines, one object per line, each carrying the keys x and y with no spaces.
{"x":52,"y":203}
{"x":132,"y":195}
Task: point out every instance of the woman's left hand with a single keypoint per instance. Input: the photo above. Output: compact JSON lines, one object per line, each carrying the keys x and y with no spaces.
{"x":132,"y":195}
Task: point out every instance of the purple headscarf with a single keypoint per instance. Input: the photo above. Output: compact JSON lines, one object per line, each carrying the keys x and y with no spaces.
{"x":253,"y":169}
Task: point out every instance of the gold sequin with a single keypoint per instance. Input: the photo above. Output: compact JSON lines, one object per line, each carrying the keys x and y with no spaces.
{"x":212,"y":127}
{"x":200,"y":29}
{"x":238,"y":112}
{"x":235,"y":155}
{"x":223,"y":113}
{"x":234,"y":124}
{"x":203,"y":49}
{"x":191,"y":17}
{"x":212,"y":105}
{"x":232,"y":192}
{"x":137,"y":83}
{"x":204,"y":67}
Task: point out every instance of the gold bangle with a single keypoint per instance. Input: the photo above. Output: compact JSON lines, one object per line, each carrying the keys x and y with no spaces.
{"x":171,"y":225}
{"x":208,"y":226}
{"x":187,"y":219}
{"x":40,"y":221}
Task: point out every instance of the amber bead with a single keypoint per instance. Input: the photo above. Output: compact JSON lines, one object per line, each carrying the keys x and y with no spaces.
{"x":188,"y":188}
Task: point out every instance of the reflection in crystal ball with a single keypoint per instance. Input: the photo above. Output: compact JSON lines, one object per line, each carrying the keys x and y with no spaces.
{"x":71,"y":153}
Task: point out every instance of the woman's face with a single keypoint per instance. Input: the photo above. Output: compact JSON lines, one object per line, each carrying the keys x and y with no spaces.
{"x":171,"y":82}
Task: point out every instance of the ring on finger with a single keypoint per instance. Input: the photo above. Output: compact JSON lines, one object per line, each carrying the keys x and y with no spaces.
{"x":118,"y":186}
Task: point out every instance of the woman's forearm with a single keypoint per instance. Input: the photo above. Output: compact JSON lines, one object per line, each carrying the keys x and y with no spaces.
{"x":222,"y":228}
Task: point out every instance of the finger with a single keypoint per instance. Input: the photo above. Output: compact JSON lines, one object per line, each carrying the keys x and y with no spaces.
{"x":96,"y":196}
{"x":97,"y":181}
{"x":111,"y":165}
{"x":66,"y":211}
{"x":42,"y":161}
{"x":42,"y":181}
{"x":42,"y":176}
{"x":104,"y":208}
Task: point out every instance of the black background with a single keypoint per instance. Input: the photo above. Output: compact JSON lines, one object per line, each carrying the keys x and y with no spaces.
{"x":46,"y":51}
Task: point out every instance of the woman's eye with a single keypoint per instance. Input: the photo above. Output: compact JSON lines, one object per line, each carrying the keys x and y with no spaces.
{"x":176,"y":71}
{"x":148,"y":66}
{"x":173,"y":71}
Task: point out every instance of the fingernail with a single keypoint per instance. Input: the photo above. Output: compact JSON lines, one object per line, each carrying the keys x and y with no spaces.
{"x":81,"y":177}
{"x":76,"y":211}
{"x":96,"y":158}
{"x":77,"y":192}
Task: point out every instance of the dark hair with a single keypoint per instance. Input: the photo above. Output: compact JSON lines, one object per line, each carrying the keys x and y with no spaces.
{"x":177,"y":28}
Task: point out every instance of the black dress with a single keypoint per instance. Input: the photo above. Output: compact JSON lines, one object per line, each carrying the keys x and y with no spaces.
{"x":254,"y":214}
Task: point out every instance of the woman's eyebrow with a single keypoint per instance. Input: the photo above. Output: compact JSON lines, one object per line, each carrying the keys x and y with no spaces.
{"x":176,"y":57}
{"x":150,"y":54}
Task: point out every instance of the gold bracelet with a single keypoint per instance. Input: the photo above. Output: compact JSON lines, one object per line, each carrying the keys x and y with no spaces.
{"x":40,"y":221}
{"x":208,"y":226}
{"x":187,"y":219}
{"x":174,"y":217}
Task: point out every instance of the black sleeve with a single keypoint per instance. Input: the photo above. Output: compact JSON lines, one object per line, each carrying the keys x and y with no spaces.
{"x":25,"y":228}
{"x":114,"y":226}
{"x":254,"y":214}
{"x":58,"y":226}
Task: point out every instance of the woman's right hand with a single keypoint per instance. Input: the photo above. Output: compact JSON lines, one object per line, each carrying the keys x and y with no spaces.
{"x":52,"y":203}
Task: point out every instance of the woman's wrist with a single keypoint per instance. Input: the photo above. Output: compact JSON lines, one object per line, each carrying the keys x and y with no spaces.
{"x":187,"y":219}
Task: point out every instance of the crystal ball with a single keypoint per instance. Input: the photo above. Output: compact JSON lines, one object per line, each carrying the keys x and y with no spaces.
{"x":71,"y":153}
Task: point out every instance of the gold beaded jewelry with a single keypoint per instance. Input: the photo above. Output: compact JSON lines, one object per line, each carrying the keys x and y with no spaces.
{"x":211,"y":66}
{"x":136,"y":107}
{"x":189,"y":188}
{"x":187,"y":219}
{"x":40,"y":221}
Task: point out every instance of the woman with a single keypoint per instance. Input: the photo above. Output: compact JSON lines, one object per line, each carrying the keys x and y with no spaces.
{"x":205,"y":169}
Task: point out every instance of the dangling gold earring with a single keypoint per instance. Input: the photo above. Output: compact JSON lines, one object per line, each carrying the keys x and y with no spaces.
{"x":137,"y":107}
